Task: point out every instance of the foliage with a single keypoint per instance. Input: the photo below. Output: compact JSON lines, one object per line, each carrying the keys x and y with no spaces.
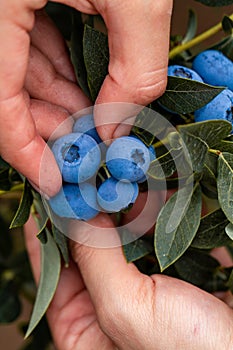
{"x":183,"y":238}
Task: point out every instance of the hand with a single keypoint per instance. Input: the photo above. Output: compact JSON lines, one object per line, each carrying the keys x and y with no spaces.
{"x":138,"y":40}
{"x":104,"y":303}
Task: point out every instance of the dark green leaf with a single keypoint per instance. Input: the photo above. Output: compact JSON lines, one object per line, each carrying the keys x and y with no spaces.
{"x":177,"y":225}
{"x":195,"y":149}
{"x":186,"y":95}
{"x":196,"y":267}
{"x":225,"y":184}
{"x":165,"y":165}
{"x":192,"y":27}
{"x":210,"y":132}
{"x":76,"y":50}
{"x":137,"y":248}
{"x":24,"y":208}
{"x":5,"y":181}
{"x":96,"y":58}
{"x":211,"y":232}
{"x":61,"y":241}
{"x":227,"y":25}
{"x":50,"y":273}
{"x":209,"y":176}
{"x":216,"y":2}
{"x":10,"y":306}
{"x":3,"y":165}
{"x":61,"y":16}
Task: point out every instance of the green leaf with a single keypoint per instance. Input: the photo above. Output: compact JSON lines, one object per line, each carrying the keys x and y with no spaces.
{"x":3,"y":164}
{"x":76,"y":50}
{"x":50,"y":273}
{"x":225,"y":184}
{"x":165,"y":165}
{"x":225,"y":45}
{"x":177,"y":224}
{"x":196,"y":267}
{"x":230,"y":282}
{"x":137,"y":248}
{"x":216,"y":2}
{"x":227,"y":25}
{"x":10,"y":306}
{"x":186,"y":95}
{"x":62,"y":243}
{"x":96,"y":58}
{"x":192,"y":27}
{"x":195,"y":149}
{"x":24,"y":208}
{"x":211,"y":131}
{"x":209,"y":176}
{"x":211,"y":232}
{"x":229,"y":230}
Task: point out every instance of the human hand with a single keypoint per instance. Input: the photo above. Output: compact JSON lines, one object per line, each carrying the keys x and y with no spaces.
{"x":104,"y":303}
{"x":138,"y":40}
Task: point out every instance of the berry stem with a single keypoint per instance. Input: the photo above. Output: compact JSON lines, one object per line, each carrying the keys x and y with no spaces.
{"x":197,"y":40}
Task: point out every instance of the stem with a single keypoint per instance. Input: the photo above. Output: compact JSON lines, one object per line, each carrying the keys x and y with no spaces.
{"x":197,"y":40}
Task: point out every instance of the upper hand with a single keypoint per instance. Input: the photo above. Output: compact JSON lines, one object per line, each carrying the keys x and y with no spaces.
{"x":138,"y":41}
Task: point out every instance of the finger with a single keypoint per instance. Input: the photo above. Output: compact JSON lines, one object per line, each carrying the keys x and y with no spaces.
{"x":51,"y":121}
{"x":101,"y":266}
{"x":44,"y":83}
{"x":20,"y":143}
{"x":55,"y":49}
{"x":139,"y":43}
{"x":24,"y":148}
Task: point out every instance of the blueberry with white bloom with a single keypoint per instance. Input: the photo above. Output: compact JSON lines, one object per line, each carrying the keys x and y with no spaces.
{"x":78,"y":156}
{"x":127,"y":158}
{"x":221,"y":107}
{"x":214,"y":68}
{"x":114,"y":195}
{"x":183,"y":72}
{"x":75,"y":202}
{"x":86,"y":125}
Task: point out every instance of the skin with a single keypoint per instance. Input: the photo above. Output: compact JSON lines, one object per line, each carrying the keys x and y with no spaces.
{"x":40,"y":79}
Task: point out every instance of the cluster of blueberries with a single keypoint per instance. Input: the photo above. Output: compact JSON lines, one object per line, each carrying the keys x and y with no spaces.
{"x":214,"y":68}
{"x":80,"y":155}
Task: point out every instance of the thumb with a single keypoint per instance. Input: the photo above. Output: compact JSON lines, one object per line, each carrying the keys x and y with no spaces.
{"x":138,"y":38}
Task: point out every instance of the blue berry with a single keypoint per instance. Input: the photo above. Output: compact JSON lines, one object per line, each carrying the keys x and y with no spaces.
{"x":214,"y":68}
{"x":183,"y":72}
{"x":127,"y":158}
{"x":78,"y":157}
{"x":114,"y":195}
{"x":221,"y":107}
{"x":75,"y":202}
{"x":152,"y":157}
{"x":86,"y":125}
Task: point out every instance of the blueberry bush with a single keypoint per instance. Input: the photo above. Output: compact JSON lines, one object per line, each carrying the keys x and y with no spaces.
{"x":198,"y":103}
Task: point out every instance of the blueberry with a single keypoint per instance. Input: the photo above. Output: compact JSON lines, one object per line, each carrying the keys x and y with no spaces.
{"x":221,"y":107}
{"x":114,"y":195}
{"x":183,"y":72}
{"x":152,"y":157}
{"x":75,"y":201}
{"x":214,"y":68}
{"x":78,"y":157}
{"x":86,"y":125}
{"x":127,"y":158}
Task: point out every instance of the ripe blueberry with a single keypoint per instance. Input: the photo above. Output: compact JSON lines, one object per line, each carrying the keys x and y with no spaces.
{"x":214,"y":68}
{"x":75,"y":201}
{"x":183,"y":72}
{"x":114,"y":195}
{"x":86,"y":125}
{"x":221,"y":107}
{"x":127,"y":158}
{"x":78,"y":157}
